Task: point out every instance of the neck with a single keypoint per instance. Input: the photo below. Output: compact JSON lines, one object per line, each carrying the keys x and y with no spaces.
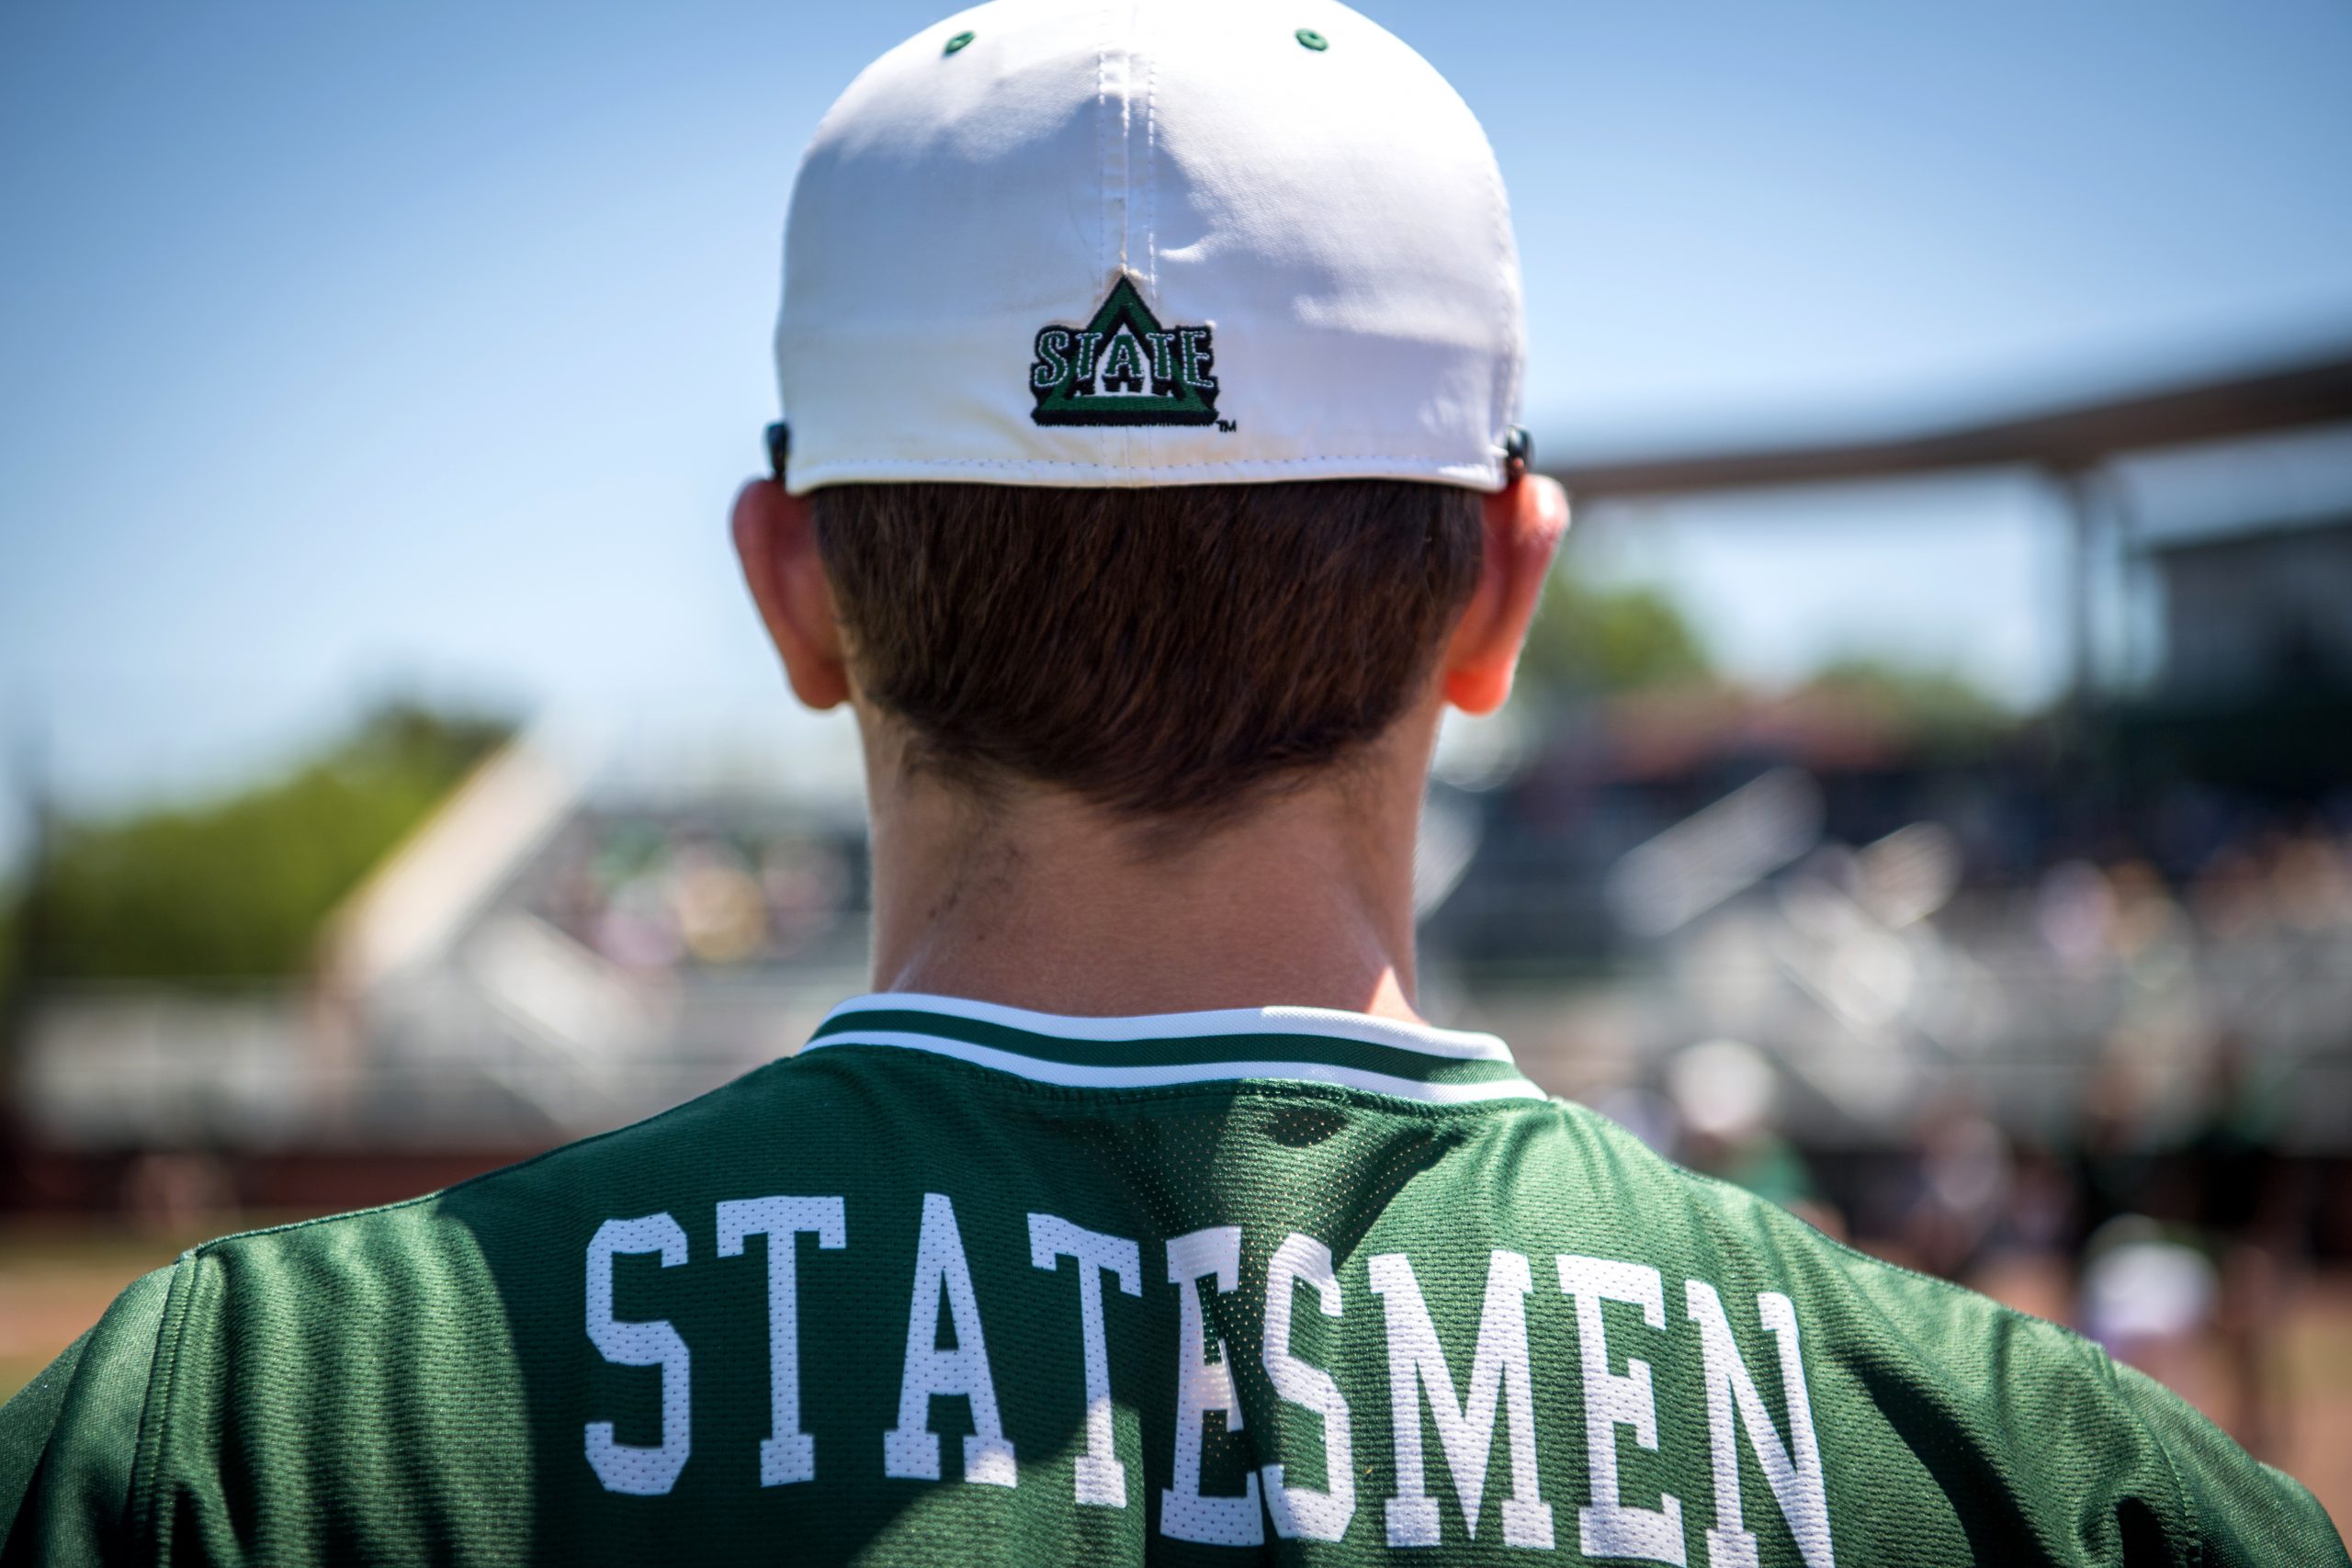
{"x":1039,"y":900}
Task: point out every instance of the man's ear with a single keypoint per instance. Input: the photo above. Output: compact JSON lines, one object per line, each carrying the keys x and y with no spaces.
{"x":1524,"y":522}
{"x":775,"y":538}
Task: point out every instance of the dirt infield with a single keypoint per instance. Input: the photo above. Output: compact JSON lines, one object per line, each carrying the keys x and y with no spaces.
{"x":55,"y":1278}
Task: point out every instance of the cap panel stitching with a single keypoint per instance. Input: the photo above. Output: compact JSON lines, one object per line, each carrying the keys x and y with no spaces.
{"x":1514,"y":369}
{"x":1139,"y":43}
{"x":1127,"y":183}
{"x":1127,"y":180}
{"x":1151,"y":173}
{"x":1103,"y":144}
{"x":1104,"y":272}
{"x":1512,"y":366}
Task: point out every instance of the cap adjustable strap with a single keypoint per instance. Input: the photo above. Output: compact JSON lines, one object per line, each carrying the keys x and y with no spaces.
{"x":779,"y":436}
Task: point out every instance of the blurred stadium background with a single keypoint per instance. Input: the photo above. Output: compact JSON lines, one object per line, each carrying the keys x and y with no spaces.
{"x":2032,"y":970}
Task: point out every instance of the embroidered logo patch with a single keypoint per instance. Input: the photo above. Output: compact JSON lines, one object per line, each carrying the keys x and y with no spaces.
{"x":1123,"y":367}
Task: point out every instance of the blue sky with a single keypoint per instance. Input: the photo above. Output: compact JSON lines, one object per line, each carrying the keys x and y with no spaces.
{"x":353,"y":346}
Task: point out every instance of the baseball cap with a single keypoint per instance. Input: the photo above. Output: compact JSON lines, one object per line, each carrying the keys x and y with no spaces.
{"x":1149,"y":242}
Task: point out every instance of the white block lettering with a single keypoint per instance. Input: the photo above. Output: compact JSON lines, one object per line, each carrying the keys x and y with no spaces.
{"x":1300,"y":1510}
{"x":1794,"y":1471}
{"x":1202,"y":1386}
{"x":910,"y":1450}
{"x":1102,"y":1478}
{"x":787,"y":1453}
{"x":1610,"y":1528}
{"x":1499,"y":1367}
{"x":645,"y":1472}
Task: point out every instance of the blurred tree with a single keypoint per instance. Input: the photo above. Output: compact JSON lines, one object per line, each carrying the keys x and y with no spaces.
{"x":1590,"y":640}
{"x":234,"y":889}
{"x":11,"y":935}
{"x":1941,"y":711}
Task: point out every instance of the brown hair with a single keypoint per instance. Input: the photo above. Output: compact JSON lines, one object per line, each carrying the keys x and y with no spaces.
{"x":1165,"y":652}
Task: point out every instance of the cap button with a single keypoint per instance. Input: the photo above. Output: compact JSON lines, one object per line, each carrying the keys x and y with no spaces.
{"x":1519,"y":450}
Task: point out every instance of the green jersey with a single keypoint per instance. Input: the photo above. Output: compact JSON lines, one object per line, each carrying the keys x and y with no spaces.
{"x":962,"y":1283}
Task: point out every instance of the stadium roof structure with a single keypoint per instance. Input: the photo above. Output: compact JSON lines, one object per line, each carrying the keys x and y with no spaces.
{"x":2068,"y":439}
{"x":2072,"y":442}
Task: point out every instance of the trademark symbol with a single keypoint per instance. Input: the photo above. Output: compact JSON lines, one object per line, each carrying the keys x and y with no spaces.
{"x":1225,"y":425}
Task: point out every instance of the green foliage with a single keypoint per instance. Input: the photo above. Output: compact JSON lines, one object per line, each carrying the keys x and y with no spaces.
{"x":1940,"y":710}
{"x":11,"y":935}
{"x":1589,"y":640}
{"x":235,"y":889}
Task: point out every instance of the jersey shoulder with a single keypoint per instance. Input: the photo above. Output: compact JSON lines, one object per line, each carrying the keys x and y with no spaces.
{"x":2047,"y":1446}
{"x":353,"y":1387}
{"x":1744,"y":1242}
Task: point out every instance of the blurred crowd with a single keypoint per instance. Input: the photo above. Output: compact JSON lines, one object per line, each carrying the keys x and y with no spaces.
{"x":2176,"y":1253}
{"x":2171,"y":1206}
{"x":2259,"y":883}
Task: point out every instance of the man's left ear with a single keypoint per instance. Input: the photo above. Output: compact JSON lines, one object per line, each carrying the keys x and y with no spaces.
{"x":775,"y":538}
{"x":1524,"y":522}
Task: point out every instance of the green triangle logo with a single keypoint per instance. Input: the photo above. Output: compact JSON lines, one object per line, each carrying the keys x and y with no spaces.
{"x":1123,"y":367}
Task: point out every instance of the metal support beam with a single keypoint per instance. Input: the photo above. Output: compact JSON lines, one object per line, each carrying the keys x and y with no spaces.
{"x":2079,"y":490}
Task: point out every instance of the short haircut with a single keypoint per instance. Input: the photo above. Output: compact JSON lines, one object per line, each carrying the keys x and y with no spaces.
{"x":1171,"y":652}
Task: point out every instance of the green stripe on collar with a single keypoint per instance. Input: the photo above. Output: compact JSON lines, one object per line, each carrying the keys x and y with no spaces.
{"x":1203,"y":1047}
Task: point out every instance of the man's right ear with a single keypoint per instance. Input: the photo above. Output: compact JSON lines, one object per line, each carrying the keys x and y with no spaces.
{"x":775,"y":538}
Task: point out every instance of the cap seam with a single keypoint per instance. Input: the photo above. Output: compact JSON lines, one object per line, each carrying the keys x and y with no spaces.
{"x":1126,"y":436}
{"x":1151,"y":173}
{"x":1482,"y":476}
{"x":1512,"y":368}
{"x":1140,"y":467}
{"x":1131,"y":436}
{"x":1104,"y":268}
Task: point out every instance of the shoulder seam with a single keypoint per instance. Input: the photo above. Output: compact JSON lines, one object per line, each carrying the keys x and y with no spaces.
{"x":150,"y":1526}
{"x":2103,"y":1367}
{"x":205,"y":1248}
{"x":439,"y":1193}
{"x":545,"y":1155}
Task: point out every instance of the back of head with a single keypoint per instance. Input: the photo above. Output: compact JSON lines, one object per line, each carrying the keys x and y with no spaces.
{"x":1161,"y":652}
{"x":1144,"y":365}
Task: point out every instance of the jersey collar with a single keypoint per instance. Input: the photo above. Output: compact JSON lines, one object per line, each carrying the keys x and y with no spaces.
{"x":1298,"y":1044}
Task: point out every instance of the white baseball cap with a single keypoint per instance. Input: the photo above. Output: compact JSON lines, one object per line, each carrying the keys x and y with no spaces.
{"x":1149,"y":242}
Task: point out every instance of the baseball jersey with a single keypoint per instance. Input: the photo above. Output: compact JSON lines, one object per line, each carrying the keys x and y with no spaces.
{"x":962,"y":1283}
